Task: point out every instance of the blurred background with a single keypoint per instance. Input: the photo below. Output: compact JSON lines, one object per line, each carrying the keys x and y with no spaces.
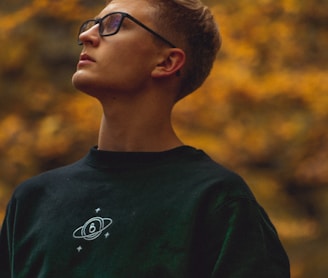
{"x":263,"y":112}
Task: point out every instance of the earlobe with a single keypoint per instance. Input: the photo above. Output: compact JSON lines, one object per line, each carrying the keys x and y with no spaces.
{"x":171,"y":64}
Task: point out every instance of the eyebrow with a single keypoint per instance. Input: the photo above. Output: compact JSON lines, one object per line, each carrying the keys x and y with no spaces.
{"x":98,"y":16}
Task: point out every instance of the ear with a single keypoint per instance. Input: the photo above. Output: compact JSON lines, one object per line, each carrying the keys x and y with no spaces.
{"x":170,"y":63}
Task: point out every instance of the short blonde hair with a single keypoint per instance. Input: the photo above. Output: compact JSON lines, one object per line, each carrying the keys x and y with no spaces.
{"x":190,"y":25}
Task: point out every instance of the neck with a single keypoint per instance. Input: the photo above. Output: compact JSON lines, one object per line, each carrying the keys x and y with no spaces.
{"x":137,"y":126}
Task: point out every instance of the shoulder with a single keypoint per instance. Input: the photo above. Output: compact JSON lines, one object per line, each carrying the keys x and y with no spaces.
{"x":220,"y":179}
{"x":205,"y":182}
{"x":48,"y":180}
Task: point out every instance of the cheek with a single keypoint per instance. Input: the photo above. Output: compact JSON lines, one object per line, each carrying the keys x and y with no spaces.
{"x":129,"y":64}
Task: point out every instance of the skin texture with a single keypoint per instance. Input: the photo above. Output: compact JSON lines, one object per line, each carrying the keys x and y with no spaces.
{"x":134,"y":78}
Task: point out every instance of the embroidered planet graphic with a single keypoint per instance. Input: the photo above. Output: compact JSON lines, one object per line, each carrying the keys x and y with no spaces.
{"x":93,"y":228}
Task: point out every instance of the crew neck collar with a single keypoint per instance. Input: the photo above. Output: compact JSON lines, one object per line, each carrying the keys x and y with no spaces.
{"x":112,"y":159}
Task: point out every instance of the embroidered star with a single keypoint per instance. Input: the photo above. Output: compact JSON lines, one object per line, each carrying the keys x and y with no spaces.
{"x":107,"y":235}
{"x":97,"y":210}
{"x":79,"y":249}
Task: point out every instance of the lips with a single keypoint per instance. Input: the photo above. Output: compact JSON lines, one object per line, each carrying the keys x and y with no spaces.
{"x":86,"y":57}
{"x":85,"y":60}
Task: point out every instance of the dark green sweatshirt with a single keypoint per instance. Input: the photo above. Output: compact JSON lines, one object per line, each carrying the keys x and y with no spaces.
{"x":167,"y":214}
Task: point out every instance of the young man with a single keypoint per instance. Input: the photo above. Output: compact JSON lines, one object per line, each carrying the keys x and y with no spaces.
{"x":141,"y":203}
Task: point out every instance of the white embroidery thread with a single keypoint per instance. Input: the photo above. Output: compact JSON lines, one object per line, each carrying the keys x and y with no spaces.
{"x":93,"y":228}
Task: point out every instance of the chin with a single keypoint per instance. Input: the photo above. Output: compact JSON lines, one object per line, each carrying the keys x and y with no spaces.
{"x":87,"y":85}
{"x":81,"y":82}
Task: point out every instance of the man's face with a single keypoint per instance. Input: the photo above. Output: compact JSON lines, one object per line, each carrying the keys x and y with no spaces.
{"x":122,"y":62}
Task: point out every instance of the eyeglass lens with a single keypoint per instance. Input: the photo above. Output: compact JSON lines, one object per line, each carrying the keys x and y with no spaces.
{"x":108,"y":25}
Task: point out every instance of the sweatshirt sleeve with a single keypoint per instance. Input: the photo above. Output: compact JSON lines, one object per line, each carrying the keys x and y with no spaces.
{"x":247,"y":243}
{"x":5,"y":243}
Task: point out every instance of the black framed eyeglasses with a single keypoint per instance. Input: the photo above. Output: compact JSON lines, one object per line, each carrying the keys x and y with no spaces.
{"x":111,"y":23}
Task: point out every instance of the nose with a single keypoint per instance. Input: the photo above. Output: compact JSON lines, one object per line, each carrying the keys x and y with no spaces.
{"x":90,"y":36}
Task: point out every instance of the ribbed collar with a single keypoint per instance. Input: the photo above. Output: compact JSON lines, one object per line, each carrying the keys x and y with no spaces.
{"x":122,"y":160}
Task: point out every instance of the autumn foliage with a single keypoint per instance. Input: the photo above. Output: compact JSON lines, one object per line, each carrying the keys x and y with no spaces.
{"x":263,"y":111}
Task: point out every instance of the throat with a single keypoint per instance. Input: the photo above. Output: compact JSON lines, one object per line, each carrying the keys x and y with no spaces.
{"x":136,"y":136}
